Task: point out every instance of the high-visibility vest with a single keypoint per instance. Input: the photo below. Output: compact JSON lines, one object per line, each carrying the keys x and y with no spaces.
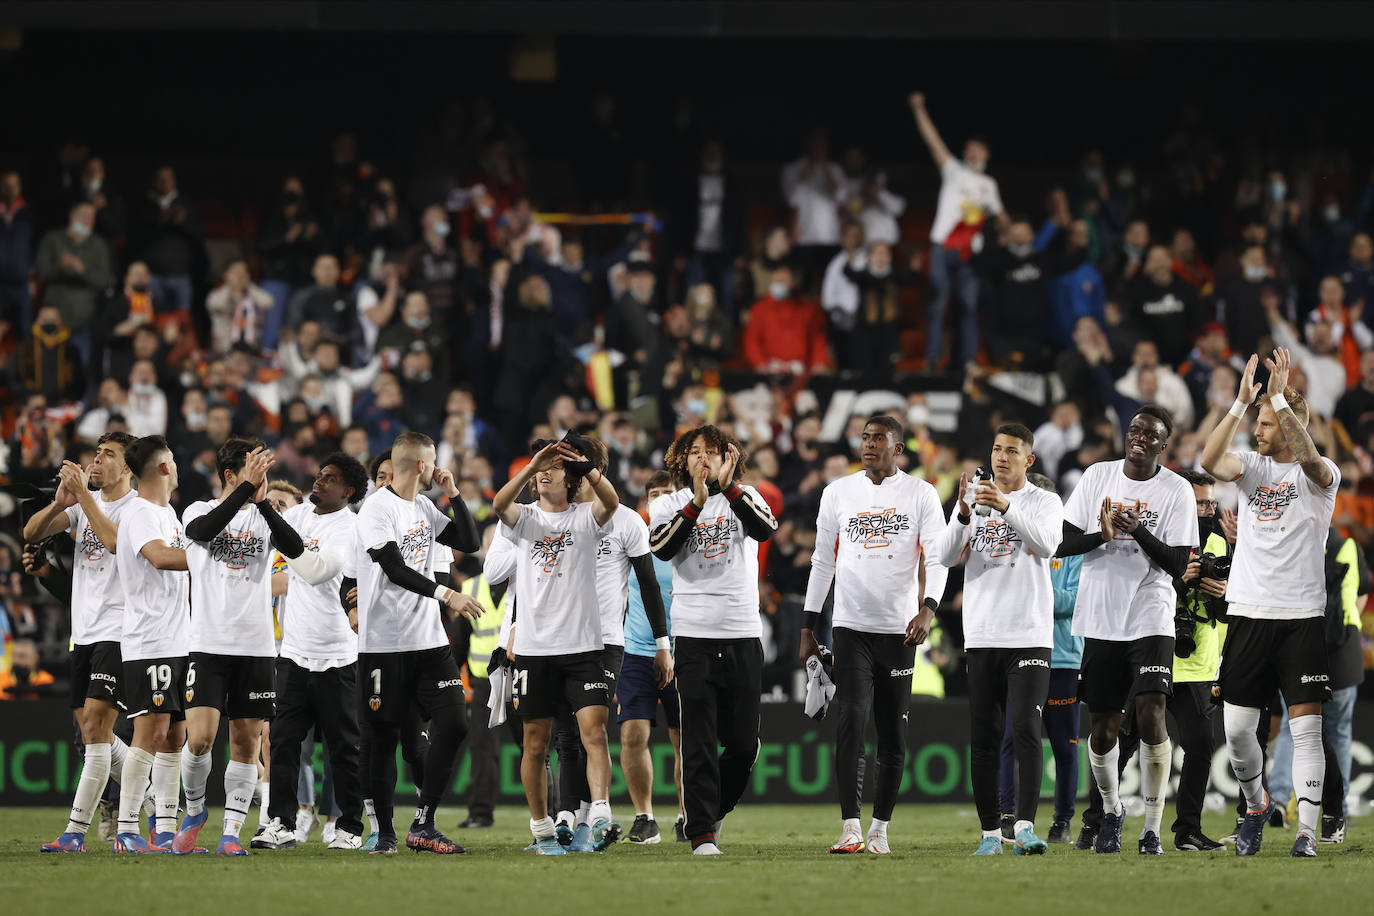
{"x":486,"y":630}
{"x":927,"y":680}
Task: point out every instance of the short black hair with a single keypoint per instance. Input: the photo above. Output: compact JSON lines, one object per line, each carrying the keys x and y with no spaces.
{"x":593,"y":449}
{"x":233,"y":454}
{"x":1160,"y":414}
{"x":353,"y":473}
{"x":882,"y":419}
{"x":1041,"y":481}
{"x":1198,"y":478}
{"x":141,"y":451}
{"x":119,"y":438}
{"x":377,"y":463}
{"x":658,"y":480}
{"x":1017,"y":431}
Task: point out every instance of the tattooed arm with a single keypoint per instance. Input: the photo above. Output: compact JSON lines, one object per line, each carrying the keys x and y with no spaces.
{"x":1294,"y":430}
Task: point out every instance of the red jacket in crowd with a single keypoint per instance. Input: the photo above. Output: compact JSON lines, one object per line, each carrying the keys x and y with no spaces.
{"x":790,"y":330}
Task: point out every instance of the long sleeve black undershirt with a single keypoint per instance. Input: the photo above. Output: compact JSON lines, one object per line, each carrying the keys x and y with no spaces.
{"x":205,"y":528}
{"x":285,"y":538}
{"x":389,"y":558}
{"x":1173,"y":560}
{"x":461,"y":531}
{"x":649,"y":592}
{"x":1076,"y":543}
{"x":346,"y":586}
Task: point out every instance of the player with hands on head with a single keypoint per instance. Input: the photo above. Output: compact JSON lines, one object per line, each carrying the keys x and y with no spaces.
{"x":876,"y":533}
{"x":1277,"y":593}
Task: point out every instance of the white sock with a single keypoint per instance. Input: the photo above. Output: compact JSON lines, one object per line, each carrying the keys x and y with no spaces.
{"x":648,"y":814}
{"x":1243,"y":746}
{"x":1021,"y":825}
{"x":1155,"y":761}
{"x":1309,"y":770}
{"x":878,"y":828}
{"x":583,"y":812}
{"x":166,"y":790}
{"x":265,"y":798}
{"x":94,"y":775}
{"x":596,"y":811}
{"x":707,"y":849}
{"x":1104,"y":771}
{"x":992,"y":833}
{"x":370,"y":809}
{"x":851,"y":825}
{"x":138,"y":764}
{"x":567,"y":817}
{"x":239,"y":780}
{"x":542,"y":828}
{"x":195,"y":773}
{"x":118,"y":751}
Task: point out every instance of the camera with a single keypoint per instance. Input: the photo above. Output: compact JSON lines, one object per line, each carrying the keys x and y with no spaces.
{"x":1184,"y":624}
{"x":979,"y":477}
{"x":1214,"y":567}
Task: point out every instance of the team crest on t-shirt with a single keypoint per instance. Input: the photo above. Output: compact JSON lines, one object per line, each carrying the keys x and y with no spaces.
{"x":875,"y":530}
{"x":415,"y":544}
{"x":235,"y":550}
{"x":712,"y":539}
{"x":1268,"y":503}
{"x":1148,"y":517}
{"x":549,"y":549}
{"x":90,"y":546}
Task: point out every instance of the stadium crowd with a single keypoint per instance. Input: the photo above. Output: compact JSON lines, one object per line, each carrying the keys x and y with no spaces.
{"x":359,"y":304}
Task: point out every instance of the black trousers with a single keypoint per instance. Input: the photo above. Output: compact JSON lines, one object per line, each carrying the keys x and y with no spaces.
{"x":872,"y":672}
{"x":327,"y":701}
{"x":1006,"y":684}
{"x":1192,"y":709}
{"x":718,"y":683}
{"x":484,"y":750}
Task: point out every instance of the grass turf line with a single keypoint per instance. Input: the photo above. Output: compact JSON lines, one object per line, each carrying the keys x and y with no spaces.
{"x":776,"y":862}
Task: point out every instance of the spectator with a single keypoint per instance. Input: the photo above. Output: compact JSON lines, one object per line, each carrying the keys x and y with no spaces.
{"x":814,"y":187}
{"x":422,"y":393}
{"x":786,"y":334}
{"x":111,"y":219}
{"x":146,"y":410}
{"x":530,"y":360}
{"x":379,"y":412}
{"x":168,"y":237}
{"x":1319,"y":361}
{"x":16,"y":252}
{"x":353,"y":442}
{"x":1357,"y":276}
{"x":869,"y":202}
{"x":777,"y":251}
{"x":48,"y":363}
{"x":967,"y":198}
{"x":287,"y":246}
{"x":875,"y":342}
{"x":433,"y":266}
{"x":1351,"y":336}
{"x":325,"y":302}
{"x":710,"y":335}
{"x":709,"y":240}
{"x":1019,"y":292}
{"x":74,"y":265}
{"x":1170,"y":391}
{"x":239,"y":311}
{"x":25,"y":678}
{"x":1188,"y":265}
{"x":341,"y":384}
{"x":387,"y":230}
{"x":1211,"y":351}
{"x":1061,"y":434}
{"x":1124,"y":264}
{"x":415,"y":329}
{"x":1240,"y":306}
{"x":840,"y":294}
{"x":111,"y":401}
{"x":1078,"y":288}
{"x":632,"y":321}
{"x":1355,"y":409}
{"x":377,"y":301}
{"x":1164,"y":307}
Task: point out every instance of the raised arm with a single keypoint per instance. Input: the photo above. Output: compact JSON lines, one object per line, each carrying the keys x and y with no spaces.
{"x":52,"y":518}
{"x":1216,"y":460}
{"x":938,"y":151}
{"x":503,"y":505}
{"x":75,"y":477}
{"x":1294,"y":430}
{"x":754,"y":515}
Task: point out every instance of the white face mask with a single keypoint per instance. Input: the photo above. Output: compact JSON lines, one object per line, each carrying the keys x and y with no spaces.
{"x":1255,"y":273}
{"x":441,"y":230}
{"x":143,"y":388}
{"x":778,"y":291}
{"x":472,"y":505}
{"x":81,"y":230}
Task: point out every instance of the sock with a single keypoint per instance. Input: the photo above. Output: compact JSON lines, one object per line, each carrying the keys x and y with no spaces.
{"x":878,"y":828}
{"x":239,"y":780}
{"x":1021,"y":825}
{"x":992,"y":833}
{"x":596,"y":811}
{"x":1309,"y":770}
{"x":118,"y":751}
{"x":850,"y":825}
{"x":583,"y":810}
{"x":1243,"y":745}
{"x":138,"y":763}
{"x":94,"y":774}
{"x":424,"y":816}
{"x":567,"y":817}
{"x":166,"y":790}
{"x":1104,"y":771}
{"x":264,"y":793}
{"x":542,"y":828}
{"x":648,"y":814}
{"x":195,"y":773}
{"x":370,"y":809}
{"x":1155,"y":760}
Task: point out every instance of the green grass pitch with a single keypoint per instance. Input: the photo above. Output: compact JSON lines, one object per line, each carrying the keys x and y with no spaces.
{"x":776,"y":862}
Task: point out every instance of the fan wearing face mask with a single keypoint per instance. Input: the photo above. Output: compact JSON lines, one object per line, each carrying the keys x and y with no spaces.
{"x":74,"y":265}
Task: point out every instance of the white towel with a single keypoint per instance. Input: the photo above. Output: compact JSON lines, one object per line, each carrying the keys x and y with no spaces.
{"x":820,"y":690}
{"x":501,"y":692}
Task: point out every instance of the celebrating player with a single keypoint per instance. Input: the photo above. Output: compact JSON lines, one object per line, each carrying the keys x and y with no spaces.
{"x":1008,"y":626}
{"x":1135,"y":523}
{"x":710,"y":530}
{"x":876,"y":537}
{"x":1278,"y":594}
{"x":97,"y":617}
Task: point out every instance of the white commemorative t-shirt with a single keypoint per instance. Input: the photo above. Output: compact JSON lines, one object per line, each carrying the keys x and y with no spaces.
{"x":716,"y":573}
{"x":157,"y":603}
{"x":626,"y":536}
{"x":966,"y":196}
{"x":231,"y":585}
{"x":555,"y":577}
{"x":1008,"y":596}
{"x":1122,"y":595}
{"x":391,"y":618}
{"x":873,"y":536}
{"x":1279,"y":568}
{"x":316,"y":626}
{"x":97,"y":596}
